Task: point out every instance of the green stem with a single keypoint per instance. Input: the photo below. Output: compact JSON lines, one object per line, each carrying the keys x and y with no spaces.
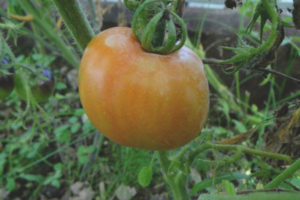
{"x":225,"y":162}
{"x":180,"y":7}
{"x":284,"y":175}
{"x":241,"y":148}
{"x":179,"y":187}
{"x":252,"y":151}
{"x":50,"y":32}
{"x":223,"y":91}
{"x":228,"y":160}
{"x":164,"y":161}
{"x":237,"y":86}
{"x":74,"y":18}
{"x":92,"y":9}
{"x":177,"y":181}
{"x":97,"y":143}
{"x":196,"y":152}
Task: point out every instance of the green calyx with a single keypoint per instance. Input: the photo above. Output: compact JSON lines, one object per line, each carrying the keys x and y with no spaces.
{"x":157,"y":26}
{"x":132,"y":4}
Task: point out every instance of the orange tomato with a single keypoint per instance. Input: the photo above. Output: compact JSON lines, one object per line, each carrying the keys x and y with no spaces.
{"x":140,"y":99}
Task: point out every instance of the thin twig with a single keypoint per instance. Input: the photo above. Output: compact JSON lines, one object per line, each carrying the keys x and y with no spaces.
{"x":277,"y":73}
{"x":264,"y":190}
{"x":212,"y":61}
{"x":180,"y":7}
{"x":97,"y":143}
{"x":287,"y":173}
{"x":206,"y":146}
{"x":292,"y":186}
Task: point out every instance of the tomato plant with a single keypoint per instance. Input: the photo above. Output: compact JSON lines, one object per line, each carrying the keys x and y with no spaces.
{"x":142,"y":99}
{"x":41,"y":86}
{"x":143,"y":88}
{"x":6,"y":80}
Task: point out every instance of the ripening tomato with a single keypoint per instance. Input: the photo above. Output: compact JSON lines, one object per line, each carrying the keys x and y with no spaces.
{"x":141,"y":99}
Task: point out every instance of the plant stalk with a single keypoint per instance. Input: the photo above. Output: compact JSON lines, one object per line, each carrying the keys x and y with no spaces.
{"x":284,"y":175}
{"x":180,"y":7}
{"x":241,"y":148}
{"x":252,"y":151}
{"x":177,"y":181}
{"x":76,"y":21}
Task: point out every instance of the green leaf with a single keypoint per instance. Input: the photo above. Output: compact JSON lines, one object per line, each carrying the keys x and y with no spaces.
{"x":73,"y":120}
{"x":10,"y":184}
{"x":60,"y":86}
{"x":75,"y":128}
{"x":229,"y":187}
{"x":239,"y":126}
{"x":54,"y":179}
{"x":79,"y":112}
{"x":81,"y":150}
{"x":83,"y":159}
{"x":145,"y":176}
{"x":58,"y":166}
{"x":295,"y":182}
{"x":253,"y":196}
{"x":32,"y":177}
{"x":90,"y":149}
{"x":83,"y":153}
{"x":266,"y":80}
{"x":208,"y":182}
{"x":63,"y":134}
{"x":33,"y":150}
{"x":87,"y":127}
{"x":55,"y":183}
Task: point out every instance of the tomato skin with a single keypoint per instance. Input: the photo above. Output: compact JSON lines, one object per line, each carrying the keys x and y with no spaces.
{"x":141,"y":99}
{"x":6,"y":81}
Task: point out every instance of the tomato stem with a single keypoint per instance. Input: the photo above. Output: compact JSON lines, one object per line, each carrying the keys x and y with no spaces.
{"x":241,"y":148}
{"x":287,"y":173}
{"x":180,"y":7}
{"x":176,"y":179}
{"x":76,"y":21}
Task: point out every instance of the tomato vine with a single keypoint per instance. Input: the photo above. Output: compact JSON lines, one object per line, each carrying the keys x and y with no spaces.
{"x":159,"y":28}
